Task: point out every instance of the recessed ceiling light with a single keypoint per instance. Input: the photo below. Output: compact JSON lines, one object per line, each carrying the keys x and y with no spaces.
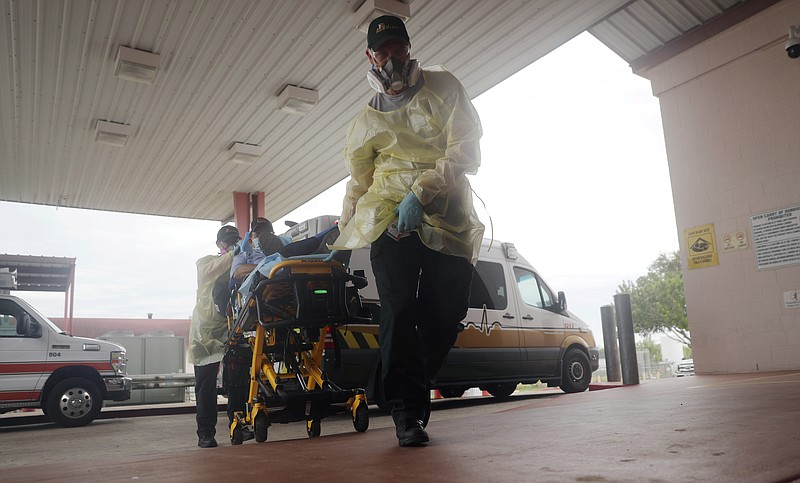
{"x":297,"y":100}
{"x":112,"y":133}
{"x":372,"y":9}
{"x":136,"y":65}
{"x":244,"y":153}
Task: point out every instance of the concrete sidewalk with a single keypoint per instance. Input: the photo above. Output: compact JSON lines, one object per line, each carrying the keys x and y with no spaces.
{"x":702,"y":428}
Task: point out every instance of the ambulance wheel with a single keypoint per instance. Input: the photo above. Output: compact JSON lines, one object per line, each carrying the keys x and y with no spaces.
{"x":260,"y":427}
{"x":451,"y":392}
{"x":502,"y":391}
{"x":576,"y":373}
{"x":237,"y":437}
{"x":361,"y":419}
{"x":314,"y":428}
{"x":73,"y":402}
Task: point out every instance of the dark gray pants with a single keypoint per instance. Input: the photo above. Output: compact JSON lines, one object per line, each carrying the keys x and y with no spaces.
{"x":424,"y":296}
{"x":205,"y":394}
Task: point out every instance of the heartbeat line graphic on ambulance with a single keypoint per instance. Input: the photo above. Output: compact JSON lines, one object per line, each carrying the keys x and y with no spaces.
{"x":484,"y":327}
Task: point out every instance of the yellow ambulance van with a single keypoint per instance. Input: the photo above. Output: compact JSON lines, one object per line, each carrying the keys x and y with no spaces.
{"x":517,"y":331}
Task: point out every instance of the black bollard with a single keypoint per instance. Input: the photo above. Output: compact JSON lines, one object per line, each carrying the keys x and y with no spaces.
{"x":611,"y":348}
{"x":627,"y":343}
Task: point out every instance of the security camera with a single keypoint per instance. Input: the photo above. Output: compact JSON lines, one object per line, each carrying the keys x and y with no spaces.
{"x":793,"y":44}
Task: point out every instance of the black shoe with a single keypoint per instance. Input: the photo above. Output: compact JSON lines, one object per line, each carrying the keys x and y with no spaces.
{"x":411,"y":433}
{"x":247,"y":434}
{"x":207,"y":442}
{"x":426,"y":416}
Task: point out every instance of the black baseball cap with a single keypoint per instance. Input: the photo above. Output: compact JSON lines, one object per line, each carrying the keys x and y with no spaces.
{"x":385,"y":28}
{"x":258,"y":220}
{"x":261,"y":225}
{"x":227,"y":232}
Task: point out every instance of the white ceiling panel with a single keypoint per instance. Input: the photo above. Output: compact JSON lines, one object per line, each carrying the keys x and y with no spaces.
{"x":223,"y":63}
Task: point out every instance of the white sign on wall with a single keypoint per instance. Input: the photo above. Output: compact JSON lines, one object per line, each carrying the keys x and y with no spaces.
{"x":776,"y":237}
{"x":791,"y":300}
{"x":734,"y":241}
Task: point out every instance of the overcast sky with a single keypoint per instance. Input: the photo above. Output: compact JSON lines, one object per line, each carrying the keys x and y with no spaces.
{"x":574,"y":173}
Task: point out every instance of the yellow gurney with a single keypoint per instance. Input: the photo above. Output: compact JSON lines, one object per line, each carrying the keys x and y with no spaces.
{"x":285,"y":319}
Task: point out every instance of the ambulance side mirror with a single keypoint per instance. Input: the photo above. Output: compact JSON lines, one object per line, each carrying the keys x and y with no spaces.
{"x":34,"y":329}
{"x":22,"y":324}
{"x":561,"y":303}
{"x":28,"y":327}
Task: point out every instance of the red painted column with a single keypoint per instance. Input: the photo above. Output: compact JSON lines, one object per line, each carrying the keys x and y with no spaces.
{"x":241,"y":212}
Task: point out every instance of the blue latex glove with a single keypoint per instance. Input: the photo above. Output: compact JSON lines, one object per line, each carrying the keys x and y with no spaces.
{"x":244,"y":246}
{"x":409,"y":213}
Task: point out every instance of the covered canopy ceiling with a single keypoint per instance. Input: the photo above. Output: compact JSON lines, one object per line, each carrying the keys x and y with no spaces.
{"x":222,"y":67}
{"x":40,"y":274}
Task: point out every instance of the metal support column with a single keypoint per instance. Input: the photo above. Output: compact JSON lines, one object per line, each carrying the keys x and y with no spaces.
{"x":69,"y":299}
{"x":611,"y":348}
{"x":627,"y":343}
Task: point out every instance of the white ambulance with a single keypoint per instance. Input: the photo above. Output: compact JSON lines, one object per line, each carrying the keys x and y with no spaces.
{"x":41,"y":366}
{"x":517,"y":331}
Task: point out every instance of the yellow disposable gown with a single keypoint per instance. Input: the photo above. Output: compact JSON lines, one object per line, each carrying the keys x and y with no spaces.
{"x":208,"y":331}
{"x":427,"y":146}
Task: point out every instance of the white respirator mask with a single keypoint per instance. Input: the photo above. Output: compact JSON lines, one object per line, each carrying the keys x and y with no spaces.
{"x":395,"y":75}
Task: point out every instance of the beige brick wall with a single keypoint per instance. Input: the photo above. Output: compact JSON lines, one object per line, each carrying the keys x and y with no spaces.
{"x":731,"y":116}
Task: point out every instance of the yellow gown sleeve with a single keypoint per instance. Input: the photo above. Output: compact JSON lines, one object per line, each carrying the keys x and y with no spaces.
{"x":462,"y":155}
{"x":212,"y":269}
{"x":360,"y":162}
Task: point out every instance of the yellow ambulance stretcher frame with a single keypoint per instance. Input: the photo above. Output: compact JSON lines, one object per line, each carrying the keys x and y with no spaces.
{"x":292,"y":312}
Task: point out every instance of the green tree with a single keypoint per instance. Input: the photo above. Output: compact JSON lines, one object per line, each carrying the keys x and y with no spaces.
{"x":658,"y":303}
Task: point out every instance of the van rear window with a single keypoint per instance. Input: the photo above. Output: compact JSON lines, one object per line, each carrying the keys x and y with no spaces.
{"x":488,"y":287}
{"x":8,"y":326}
{"x":8,"y":319}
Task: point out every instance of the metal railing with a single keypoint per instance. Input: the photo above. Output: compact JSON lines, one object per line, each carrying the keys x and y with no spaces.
{"x":155,"y":381}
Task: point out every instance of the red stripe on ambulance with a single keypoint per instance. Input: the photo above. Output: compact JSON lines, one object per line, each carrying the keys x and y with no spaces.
{"x":34,"y":367}
{"x":20,"y":396}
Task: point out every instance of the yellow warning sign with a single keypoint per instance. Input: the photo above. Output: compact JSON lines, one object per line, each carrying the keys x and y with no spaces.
{"x":701,"y":246}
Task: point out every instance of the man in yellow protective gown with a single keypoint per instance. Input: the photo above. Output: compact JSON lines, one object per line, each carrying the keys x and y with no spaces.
{"x":408,"y":153}
{"x":208,"y":333}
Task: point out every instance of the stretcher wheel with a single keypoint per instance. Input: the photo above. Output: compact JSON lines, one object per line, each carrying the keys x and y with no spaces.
{"x":237,"y":437}
{"x":361,"y":418}
{"x":260,"y":427}
{"x":314,"y":428}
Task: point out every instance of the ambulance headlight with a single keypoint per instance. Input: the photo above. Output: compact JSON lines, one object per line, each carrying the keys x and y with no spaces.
{"x":119,"y":362}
